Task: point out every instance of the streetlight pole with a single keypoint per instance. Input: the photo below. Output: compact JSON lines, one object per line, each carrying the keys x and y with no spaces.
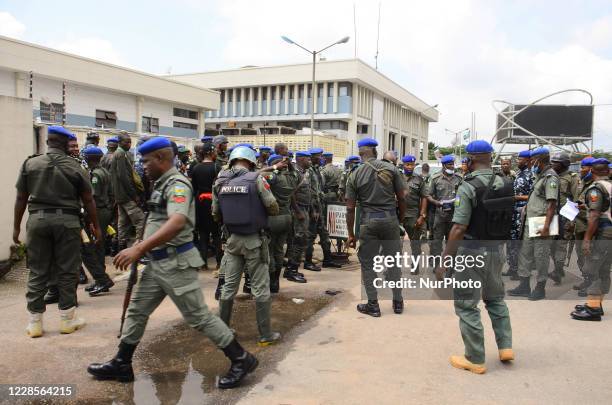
{"x":314,"y":63}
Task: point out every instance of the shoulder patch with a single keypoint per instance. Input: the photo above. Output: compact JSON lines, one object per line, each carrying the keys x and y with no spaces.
{"x":94,"y":180}
{"x":553,"y":184}
{"x":594,"y":196}
{"x":265,"y":183}
{"x":178,"y":190}
{"x":457,"y":201}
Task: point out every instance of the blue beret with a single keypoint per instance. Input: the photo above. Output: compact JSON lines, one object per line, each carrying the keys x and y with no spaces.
{"x":257,"y":154}
{"x":353,"y":158}
{"x":265,"y":149}
{"x":408,"y":159}
{"x":274,"y":157}
{"x":479,"y":146}
{"x":315,"y":151}
{"x":540,"y":151}
{"x":464,"y":160}
{"x":587,"y":161}
{"x":524,"y":153}
{"x":610,"y":166}
{"x":248,"y":145}
{"x":59,"y":130}
{"x":290,"y":153}
{"x":154,"y":144}
{"x":367,"y":142}
{"x":447,"y":159}
{"x":92,"y":150}
{"x":302,"y":153}
{"x":207,"y":138}
{"x":601,"y":161}
{"x":112,"y":139}
{"x":328,"y":154}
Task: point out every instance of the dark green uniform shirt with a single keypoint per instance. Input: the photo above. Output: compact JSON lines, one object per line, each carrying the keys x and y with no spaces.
{"x":53,"y":180}
{"x":568,"y":184}
{"x":282,"y":184}
{"x":102,"y":189}
{"x":581,"y":218}
{"x":364,"y":187}
{"x":545,"y":187}
{"x":598,"y":199}
{"x":417,"y":189}
{"x":444,"y":187}
{"x":122,"y":176}
{"x":302,"y":193}
{"x":465,"y":201}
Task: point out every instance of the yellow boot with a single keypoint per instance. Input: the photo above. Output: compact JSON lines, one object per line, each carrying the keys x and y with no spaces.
{"x":70,"y":323}
{"x":34,"y":328}
{"x":506,"y":355}
{"x":463,"y":363}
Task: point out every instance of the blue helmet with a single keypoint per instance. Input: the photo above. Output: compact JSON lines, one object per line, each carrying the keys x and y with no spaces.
{"x":242,"y":152}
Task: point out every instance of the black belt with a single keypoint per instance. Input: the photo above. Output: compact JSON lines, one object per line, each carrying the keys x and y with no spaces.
{"x":58,"y":211}
{"x":379,"y":214}
{"x":161,"y":254}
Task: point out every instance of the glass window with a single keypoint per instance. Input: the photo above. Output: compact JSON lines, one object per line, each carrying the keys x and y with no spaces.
{"x":330,"y":90}
{"x":150,"y":125}
{"x":51,"y":112}
{"x":301,"y":91}
{"x":320,"y":90}
{"x":238,"y":92}
{"x":186,"y":125}
{"x":264,"y":94}
{"x":192,"y":115}
{"x":291,"y":92}
{"x":255,"y":94}
{"x":230,"y":95}
{"x":282,"y":93}
{"x":222,"y":100}
{"x":344,"y":89}
{"x":273,"y":93}
{"x":106,"y":119}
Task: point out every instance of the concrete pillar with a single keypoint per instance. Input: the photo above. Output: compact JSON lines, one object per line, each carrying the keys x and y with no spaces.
{"x":325,"y":90}
{"x":259,"y":102}
{"x":315,"y":97}
{"x":234,"y":102}
{"x":296,"y":95}
{"x":278,"y":99}
{"x":201,"y":122}
{"x":139,"y":104}
{"x":242,"y":103}
{"x":335,"y":101}
{"x":268,"y":101}
{"x":305,"y":98}
{"x":249,"y":107}
{"x":286,"y":99}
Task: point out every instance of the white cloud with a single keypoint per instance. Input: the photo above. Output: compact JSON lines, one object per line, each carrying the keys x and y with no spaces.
{"x":91,"y":47}
{"x":10,"y":26}
{"x":453,"y":53}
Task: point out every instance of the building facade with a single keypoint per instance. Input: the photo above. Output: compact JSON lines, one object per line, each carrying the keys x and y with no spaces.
{"x":81,"y":92}
{"x":353,"y":101}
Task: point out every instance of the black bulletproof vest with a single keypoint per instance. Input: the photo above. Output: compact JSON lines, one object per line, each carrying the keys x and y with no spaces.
{"x":242,"y":209}
{"x":492,"y":217}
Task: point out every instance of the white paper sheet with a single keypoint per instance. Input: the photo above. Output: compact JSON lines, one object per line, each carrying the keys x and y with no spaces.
{"x":569,"y":210}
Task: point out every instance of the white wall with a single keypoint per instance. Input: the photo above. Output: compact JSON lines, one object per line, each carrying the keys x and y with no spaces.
{"x":7,"y":83}
{"x":378,"y":112}
{"x":85,"y":101}
{"x":16,"y":136}
{"x":162,"y":111}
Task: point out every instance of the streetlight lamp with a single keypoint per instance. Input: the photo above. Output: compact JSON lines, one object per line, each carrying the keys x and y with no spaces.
{"x":456,"y":133}
{"x":314,"y":61}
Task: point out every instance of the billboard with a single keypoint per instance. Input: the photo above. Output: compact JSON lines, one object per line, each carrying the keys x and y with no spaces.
{"x":560,"y":124}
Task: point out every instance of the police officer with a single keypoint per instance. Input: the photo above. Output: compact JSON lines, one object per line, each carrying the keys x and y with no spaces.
{"x":301,"y":218}
{"x":416,"y":206}
{"x":479,"y":229}
{"x":172,"y":271}
{"x":242,"y":200}
{"x":220,"y":142}
{"x":317,"y":225}
{"x":586,"y":178}
{"x":264,"y":154}
{"x":441,"y":194}
{"x":506,"y":168}
{"x":283,"y":181}
{"x":377,"y":187}
{"x":94,"y":254}
{"x":93,"y":138}
{"x":52,"y":187}
{"x":522,"y":188}
{"x":542,"y":203}
{"x":568,"y":186}
{"x":331,"y":184}
{"x":596,"y":244}
{"x":126,"y":192}
{"x":111,"y":146}
{"x":350,"y":164}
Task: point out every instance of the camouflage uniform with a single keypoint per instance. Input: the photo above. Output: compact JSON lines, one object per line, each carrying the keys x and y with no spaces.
{"x":523,"y":184}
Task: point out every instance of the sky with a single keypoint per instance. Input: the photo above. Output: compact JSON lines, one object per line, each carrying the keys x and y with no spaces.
{"x":459,"y":54}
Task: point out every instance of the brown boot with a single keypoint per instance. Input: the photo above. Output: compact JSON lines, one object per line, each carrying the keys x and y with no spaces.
{"x":462,"y":363}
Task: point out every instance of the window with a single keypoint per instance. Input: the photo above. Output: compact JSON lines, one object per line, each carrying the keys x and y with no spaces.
{"x":301,"y":91}
{"x":391,"y":144}
{"x":320,"y":90}
{"x":230,"y":96}
{"x":264,"y":94}
{"x":247,"y":92}
{"x":255,"y":94}
{"x":192,"y":115}
{"x":344,"y":89}
{"x":238,"y":91}
{"x":291,"y":92}
{"x":310,"y":91}
{"x":330,"y":90}
{"x":150,"y":125}
{"x":178,"y":124}
{"x":273,"y":93}
{"x":106,"y":119}
{"x":282,"y":93}
{"x":222,"y":95}
{"x":51,"y":112}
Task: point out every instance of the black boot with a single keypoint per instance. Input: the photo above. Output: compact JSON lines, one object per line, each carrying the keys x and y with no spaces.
{"x":101,"y":288}
{"x":587,"y":313}
{"x":275,"y":282}
{"x":328,"y":262}
{"x":291,"y":274}
{"x":91,"y":286}
{"x":581,"y":307}
{"x":119,"y":368}
{"x":398,"y":306}
{"x":522,"y":290}
{"x":52,"y":295}
{"x":219,"y":287}
{"x":371,"y":308}
{"x":243,"y":363}
{"x":539,"y":292}
{"x":311,"y":266}
{"x":83,"y":277}
{"x":246,"y":288}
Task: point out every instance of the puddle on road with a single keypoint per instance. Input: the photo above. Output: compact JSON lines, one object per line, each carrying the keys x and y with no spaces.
{"x":181,"y":365}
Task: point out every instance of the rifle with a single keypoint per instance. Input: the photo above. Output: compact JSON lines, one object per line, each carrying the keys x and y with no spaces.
{"x":132,"y":280}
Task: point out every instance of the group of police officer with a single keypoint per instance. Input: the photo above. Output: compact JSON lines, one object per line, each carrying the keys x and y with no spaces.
{"x":266,"y":201}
